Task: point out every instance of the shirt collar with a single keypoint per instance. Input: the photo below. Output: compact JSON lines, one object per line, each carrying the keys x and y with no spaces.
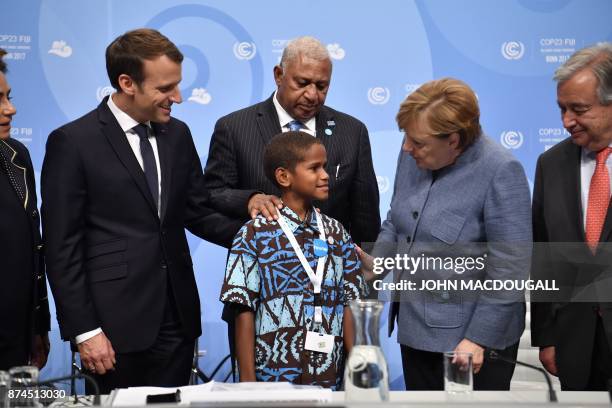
{"x":125,"y":121}
{"x":284,"y":118}
{"x":588,"y":155}
{"x":294,"y":222}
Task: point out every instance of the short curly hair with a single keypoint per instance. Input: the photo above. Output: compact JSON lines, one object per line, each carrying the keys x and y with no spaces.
{"x":286,"y":150}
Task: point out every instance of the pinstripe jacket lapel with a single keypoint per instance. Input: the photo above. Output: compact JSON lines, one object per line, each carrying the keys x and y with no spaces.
{"x":323,"y":117}
{"x":267,"y":120}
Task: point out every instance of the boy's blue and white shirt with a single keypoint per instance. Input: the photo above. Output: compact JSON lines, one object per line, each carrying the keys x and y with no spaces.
{"x":264,"y":274}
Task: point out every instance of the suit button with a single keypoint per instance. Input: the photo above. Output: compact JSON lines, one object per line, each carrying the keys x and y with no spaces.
{"x":408,"y":239}
{"x":415,"y":215}
{"x":163,"y":265}
{"x":39,"y":247}
{"x":164,"y":232}
{"x":35,"y":214}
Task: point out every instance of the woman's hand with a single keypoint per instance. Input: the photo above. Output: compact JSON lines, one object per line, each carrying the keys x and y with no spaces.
{"x":367,"y":263}
{"x":467,"y":346}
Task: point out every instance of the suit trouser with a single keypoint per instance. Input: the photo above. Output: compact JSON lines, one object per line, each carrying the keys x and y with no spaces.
{"x":424,"y":370}
{"x":601,"y":363}
{"x":167,"y":363}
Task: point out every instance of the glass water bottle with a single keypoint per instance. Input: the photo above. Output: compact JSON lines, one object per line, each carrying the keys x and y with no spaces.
{"x":366,"y":377}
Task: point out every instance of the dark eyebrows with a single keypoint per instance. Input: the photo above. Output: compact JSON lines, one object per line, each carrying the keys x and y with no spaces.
{"x":167,"y":86}
{"x":310,"y":81}
{"x":315,"y":163}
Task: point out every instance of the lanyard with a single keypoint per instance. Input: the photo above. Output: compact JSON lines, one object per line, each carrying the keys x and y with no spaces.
{"x":315,"y":278}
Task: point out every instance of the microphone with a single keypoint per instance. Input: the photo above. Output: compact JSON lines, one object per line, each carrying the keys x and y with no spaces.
{"x":494,"y":355}
{"x":86,"y":377}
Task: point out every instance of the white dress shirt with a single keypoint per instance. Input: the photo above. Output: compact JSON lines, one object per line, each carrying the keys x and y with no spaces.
{"x":284,"y":118}
{"x":587,"y":168}
{"x":127,"y":123}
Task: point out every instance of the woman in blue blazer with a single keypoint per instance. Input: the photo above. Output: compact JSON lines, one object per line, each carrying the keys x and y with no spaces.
{"x":456,"y":192}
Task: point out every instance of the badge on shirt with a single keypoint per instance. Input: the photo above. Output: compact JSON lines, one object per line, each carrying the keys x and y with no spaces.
{"x":320,"y":248}
{"x":322,"y":343}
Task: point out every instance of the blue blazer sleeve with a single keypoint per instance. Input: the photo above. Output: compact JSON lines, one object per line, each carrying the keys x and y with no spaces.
{"x":507,"y":223}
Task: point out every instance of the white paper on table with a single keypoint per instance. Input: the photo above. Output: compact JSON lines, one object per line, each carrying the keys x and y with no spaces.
{"x":254,"y":386}
{"x":137,"y":396}
{"x":288,"y":395}
{"x":226,"y":392}
{"x":262,"y":392}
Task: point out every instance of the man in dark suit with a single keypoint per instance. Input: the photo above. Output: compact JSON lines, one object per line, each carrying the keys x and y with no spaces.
{"x":234,"y":173}
{"x":572,"y":225}
{"x":119,"y":187}
{"x":24,"y":310}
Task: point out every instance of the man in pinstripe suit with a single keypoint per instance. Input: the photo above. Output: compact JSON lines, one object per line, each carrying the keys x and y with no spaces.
{"x":234,"y":173}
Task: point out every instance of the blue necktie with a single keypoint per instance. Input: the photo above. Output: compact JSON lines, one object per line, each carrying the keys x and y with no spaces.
{"x":295,"y":125}
{"x":148,"y":161}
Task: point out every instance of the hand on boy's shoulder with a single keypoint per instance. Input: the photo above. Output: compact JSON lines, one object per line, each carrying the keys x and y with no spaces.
{"x":252,"y":226}
{"x":265,"y":205}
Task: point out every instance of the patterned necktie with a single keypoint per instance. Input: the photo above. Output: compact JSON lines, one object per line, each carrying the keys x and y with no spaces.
{"x":16,"y":174}
{"x":148,"y":161}
{"x":599,"y":199}
{"x":295,"y":125}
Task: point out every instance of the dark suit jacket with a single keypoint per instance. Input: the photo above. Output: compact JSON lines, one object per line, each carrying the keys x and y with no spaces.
{"x":24,"y":310}
{"x":109,"y":255}
{"x":234,"y":171}
{"x":566,"y":319}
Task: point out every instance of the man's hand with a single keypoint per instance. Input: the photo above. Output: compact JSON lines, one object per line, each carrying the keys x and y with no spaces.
{"x":547,"y":358}
{"x":40,"y":350}
{"x":265,"y":205}
{"x":467,"y":346}
{"x":367,"y":263}
{"x":97,"y":354}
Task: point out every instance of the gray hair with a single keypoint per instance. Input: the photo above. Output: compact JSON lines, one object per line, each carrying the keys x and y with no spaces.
{"x":598,"y":58}
{"x":307,"y":46}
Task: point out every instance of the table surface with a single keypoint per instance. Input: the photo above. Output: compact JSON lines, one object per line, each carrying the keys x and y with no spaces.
{"x":499,"y":399}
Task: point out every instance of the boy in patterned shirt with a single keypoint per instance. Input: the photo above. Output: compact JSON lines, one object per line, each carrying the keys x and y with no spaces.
{"x":292,"y":278}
